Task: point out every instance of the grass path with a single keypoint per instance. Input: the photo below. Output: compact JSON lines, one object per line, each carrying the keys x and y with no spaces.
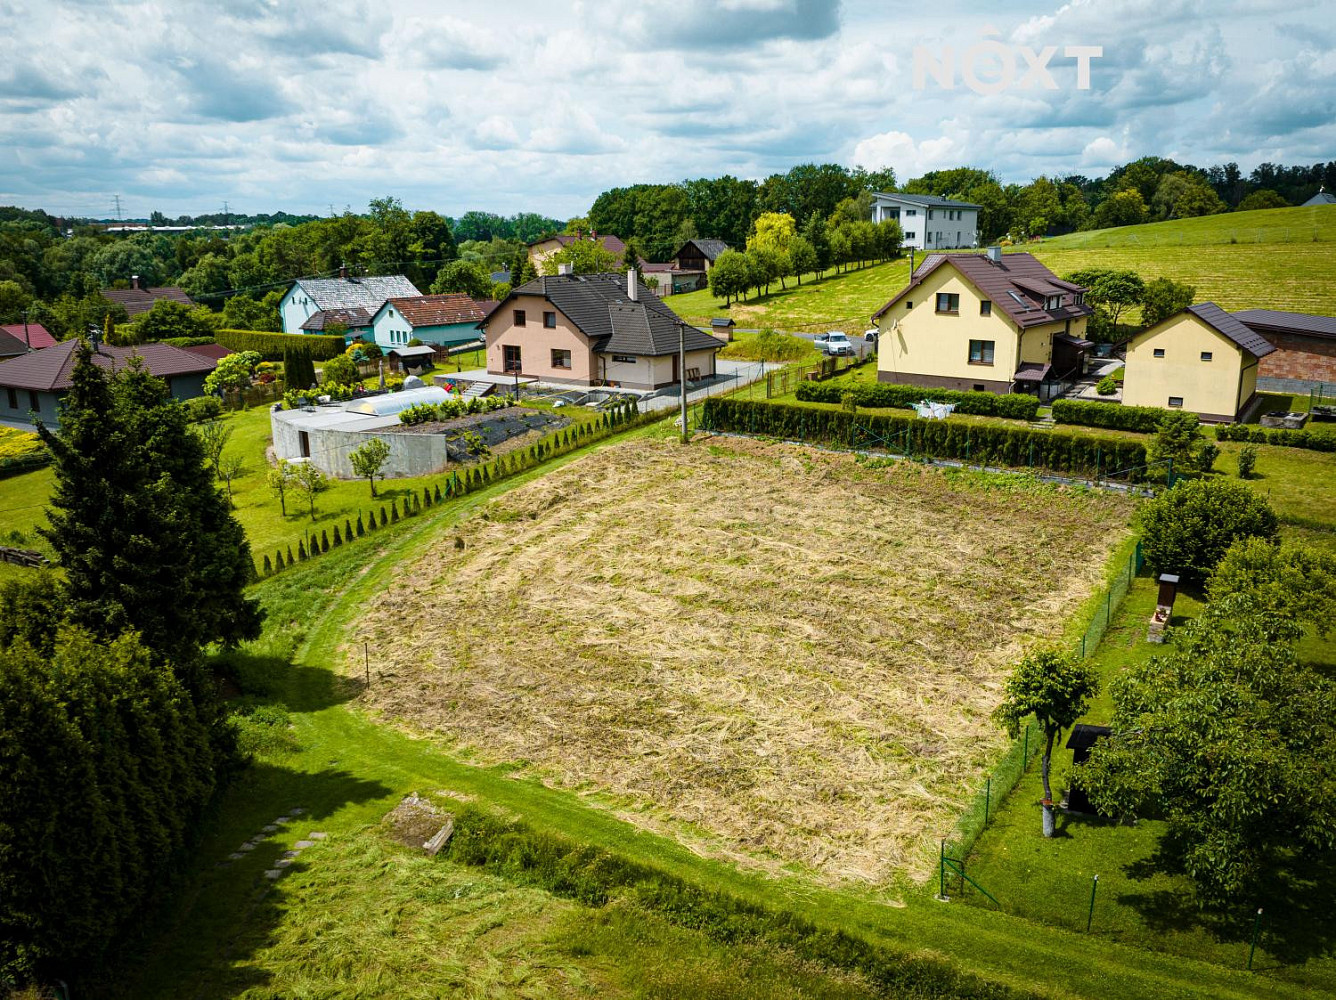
{"x":350,"y":770}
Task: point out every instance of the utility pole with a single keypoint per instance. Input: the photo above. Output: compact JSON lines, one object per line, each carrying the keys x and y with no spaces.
{"x":227,"y":215}
{"x":26,"y":339}
{"x":682,"y":370}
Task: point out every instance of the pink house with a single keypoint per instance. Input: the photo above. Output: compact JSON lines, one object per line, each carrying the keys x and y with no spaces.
{"x":594,"y":329}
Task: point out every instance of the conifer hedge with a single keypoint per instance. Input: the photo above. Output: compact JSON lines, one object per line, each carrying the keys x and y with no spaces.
{"x":271,"y":346}
{"x":1310,"y":438}
{"x":1111,"y":416}
{"x":979,"y":444}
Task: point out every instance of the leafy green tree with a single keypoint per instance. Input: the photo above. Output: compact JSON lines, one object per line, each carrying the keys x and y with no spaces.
{"x":206,"y":278}
{"x":309,"y":482}
{"x":802,"y":257}
{"x":729,"y":276}
{"x":1125,"y":208}
{"x":1055,"y":688}
{"x":1295,"y":581}
{"x":1162,"y":298}
{"x":243,"y":313}
{"x":1231,"y":739}
{"x":1188,"y":529}
{"x":1183,"y":195}
{"x":369,"y":460}
{"x":144,"y":537}
{"x":14,"y":298}
{"x":888,"y":238}
{"x":1265,"y":198}
{"x":472,"y":278}
{"x":1111,"y":289}
{"x":584,"y":256}
{"x":814,"y":232}
{"x":281,"y":482}
{"x":168,"y":319}
{"x":234,"y":371}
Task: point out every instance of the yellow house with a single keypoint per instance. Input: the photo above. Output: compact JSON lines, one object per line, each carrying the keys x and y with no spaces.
{"x":985,"y":322}
{"x":1203,"y":360}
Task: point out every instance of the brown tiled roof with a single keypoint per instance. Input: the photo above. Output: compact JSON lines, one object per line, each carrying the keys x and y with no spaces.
{"x":215,"y":351}
{"x":1273,"y":321}
{"x":49,"y":369}
{"x":353,"y":319}
{"x":38,"y":335}
{"x":438,"y":310}
{"x":1017,"y":285}
{"x":610,"y":243}
{"x":1222,"y":322}
{"x":138,"y":301}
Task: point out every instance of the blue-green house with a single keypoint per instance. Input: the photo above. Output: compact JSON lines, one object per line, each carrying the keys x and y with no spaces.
{"x":441,"y":320}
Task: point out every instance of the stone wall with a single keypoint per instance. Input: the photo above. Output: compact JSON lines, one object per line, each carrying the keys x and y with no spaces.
{"x":410,"y":454}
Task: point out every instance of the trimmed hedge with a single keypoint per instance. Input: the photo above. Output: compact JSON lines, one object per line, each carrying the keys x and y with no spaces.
{"x":1111,"y":416}
{"x":1313,"y":440}
{"x":189,"y":341}
{"x":594,"y":875}
{"x":271,"y":346}
{"x":903,"y":397}
{"x":985,"y":444}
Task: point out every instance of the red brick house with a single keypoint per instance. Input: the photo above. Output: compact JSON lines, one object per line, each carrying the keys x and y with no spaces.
{"x":1305,"y":346}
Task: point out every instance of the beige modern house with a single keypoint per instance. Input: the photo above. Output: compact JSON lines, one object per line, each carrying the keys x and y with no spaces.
{"x":541,"y":250}
{"x":594,"y":329}
{"x":1203,"y":359}
{"x":986,"y":322}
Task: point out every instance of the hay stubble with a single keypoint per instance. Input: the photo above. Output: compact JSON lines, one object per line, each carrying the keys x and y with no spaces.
{"x":776,"y":655}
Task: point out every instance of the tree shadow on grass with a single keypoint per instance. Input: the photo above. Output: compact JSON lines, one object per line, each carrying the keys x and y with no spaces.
{"x":1298,"y":922}
{"x":222,"y":911}
{"x":272,"y":677}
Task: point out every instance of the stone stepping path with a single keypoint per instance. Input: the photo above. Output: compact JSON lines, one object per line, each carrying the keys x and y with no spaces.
{"x":268,"y":830}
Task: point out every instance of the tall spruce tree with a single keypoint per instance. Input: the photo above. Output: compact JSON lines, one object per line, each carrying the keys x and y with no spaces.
{"x":145,"y":537}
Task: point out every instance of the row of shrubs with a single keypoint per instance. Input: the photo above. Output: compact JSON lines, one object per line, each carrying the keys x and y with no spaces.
{"x":461,"y":483}
{"x":21,"y":451}
{"x":1314,"y":440}
{"x":1111,"y":416}
{"x":987,"y":444}
{"x":422,"y":413}
{"x":271,"y":346}
{"x":513,"y":850}
{"x":1017,"y":406}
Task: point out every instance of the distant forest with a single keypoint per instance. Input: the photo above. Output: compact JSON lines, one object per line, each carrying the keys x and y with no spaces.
{"x":53,"y":269}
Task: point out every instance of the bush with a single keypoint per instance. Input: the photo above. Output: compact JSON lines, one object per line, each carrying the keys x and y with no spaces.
{"x":1247,"y":461}
{"x":271,"y":346}
{"x":768,"y":345}
{"x":1107,"y":386}
{"x":204,"y":408}
{"x":1077,"y":454}
{"x":1016,"y":406}
{"x":189,"y":341}
{"x":1313,"y":440}
{"x":1111,"y":416}
{"x":1206,"y":456}
{"x":1188,"y":529}
{"x":340,"y":370}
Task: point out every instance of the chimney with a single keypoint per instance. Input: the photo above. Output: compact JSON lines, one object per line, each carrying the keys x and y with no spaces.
{"x":137,"y":282}
{"x":565,"y":269}
{"x":632,"y":286}
{"x":343,"y":271}
{"x":995,"y":254}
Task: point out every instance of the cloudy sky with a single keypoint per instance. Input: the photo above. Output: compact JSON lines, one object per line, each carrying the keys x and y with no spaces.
{"x":520,"y":105}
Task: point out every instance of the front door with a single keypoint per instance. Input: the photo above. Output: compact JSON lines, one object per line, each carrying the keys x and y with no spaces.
{"x":675,"y":368}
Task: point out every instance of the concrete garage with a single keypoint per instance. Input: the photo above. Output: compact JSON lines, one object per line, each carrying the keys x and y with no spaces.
{"x":324,"y":435}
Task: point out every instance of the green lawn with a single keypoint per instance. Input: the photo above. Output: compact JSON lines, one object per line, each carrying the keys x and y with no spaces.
{"x":836,"y":302}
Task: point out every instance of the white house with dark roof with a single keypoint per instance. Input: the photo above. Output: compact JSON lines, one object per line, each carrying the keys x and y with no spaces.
{"x":309,"y":296}
{"x":929,"y":222}
{"x":594,"y":329}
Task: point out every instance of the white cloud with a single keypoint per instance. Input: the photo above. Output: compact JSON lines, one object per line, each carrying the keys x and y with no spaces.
{"x":907,"y":156}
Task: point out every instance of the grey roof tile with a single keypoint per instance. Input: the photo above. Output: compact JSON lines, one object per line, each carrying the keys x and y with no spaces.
{"x":1250,"y":340}
{"x":1275,"y":321}
{"x":368,"y":293}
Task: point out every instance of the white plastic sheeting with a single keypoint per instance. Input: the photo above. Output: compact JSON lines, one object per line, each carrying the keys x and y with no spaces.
{"x":933,"y":411}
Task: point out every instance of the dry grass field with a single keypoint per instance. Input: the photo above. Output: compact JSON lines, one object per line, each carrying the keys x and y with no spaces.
{"x":776,"y":655}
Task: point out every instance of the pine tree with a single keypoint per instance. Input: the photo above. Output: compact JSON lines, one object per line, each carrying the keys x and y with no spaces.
{"x":347,"y":530}
{"x":301,"y":552}
{"x":361,"y":530}
{"x":324,"y":541}
{"x":438,"y":493}
{"x":268,"y":567}
{"x":278,"y":561}
{"x":383,"y":519}
{"x":426,"y":496}
{"x":289,"y":555}
{"x":298,"y":368}
{"x":338,"y":538}
{"x":146,"y":539}
{"x":394,"y":510}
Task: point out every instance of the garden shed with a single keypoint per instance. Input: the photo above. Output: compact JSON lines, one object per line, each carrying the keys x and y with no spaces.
{"x":1081,"y":741}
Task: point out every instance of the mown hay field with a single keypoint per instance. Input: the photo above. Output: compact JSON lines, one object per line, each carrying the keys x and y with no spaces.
{"x":776,"y":655}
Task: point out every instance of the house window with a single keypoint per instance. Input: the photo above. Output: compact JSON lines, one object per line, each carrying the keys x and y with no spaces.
{"x":1175,"y":400}
{"x":13,"y":399}
{"x":977,"y":387}
{"x":33,"y":402}
{"x":1158,"y":352}
{"x":948,"y":302}
{"x":519,"y":317}
{"x":981,"y":352}
{"x":550,"y":320}
{"x":561,"y":359}
{"x":512,"y":357}
{"x":930,"y":214}
{"x":624,"y":359}
{"x":927,"y":237}
{"x":909,"y":304}
{"x":1206,"y":355}
{"x":911,"y":212}
{"x":985,"y":308}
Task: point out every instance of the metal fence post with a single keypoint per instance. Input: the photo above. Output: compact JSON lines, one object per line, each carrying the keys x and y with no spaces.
{"x":1257,"y":927}
{"x":941,"y":875}
{"x":1094,"y":884}
{"x":1025,"y":753}
{"x":987,"y":798}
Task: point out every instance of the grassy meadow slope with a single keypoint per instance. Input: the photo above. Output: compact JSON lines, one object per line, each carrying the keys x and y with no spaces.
{"x":1273,"y":259}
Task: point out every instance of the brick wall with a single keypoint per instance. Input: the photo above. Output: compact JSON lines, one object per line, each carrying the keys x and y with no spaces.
{"x":1295,"y":357}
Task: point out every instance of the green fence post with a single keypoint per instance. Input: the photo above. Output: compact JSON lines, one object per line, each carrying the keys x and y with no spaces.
{"x":941,"y":872}
{"x":1025,"y":753}
{"x":987,"y":798}
{"x":1094,"y":884}
{"x":1108,"y":608}
{"x":1169,"y":476}
{"x":1257,"y":927}
{"x":1083,"y":638}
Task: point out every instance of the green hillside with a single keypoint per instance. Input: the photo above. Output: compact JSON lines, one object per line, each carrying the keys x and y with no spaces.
{"x":1271,"y":225}
{"x":1277,"y":258}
